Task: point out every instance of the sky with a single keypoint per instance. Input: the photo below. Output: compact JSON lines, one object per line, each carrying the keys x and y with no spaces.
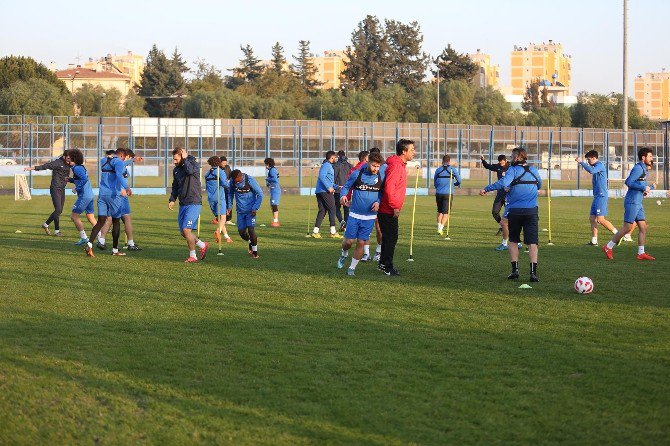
{"x":590,"y":30}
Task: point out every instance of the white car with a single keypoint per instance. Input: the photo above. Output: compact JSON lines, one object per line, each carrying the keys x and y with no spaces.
{"x":4,"y":161}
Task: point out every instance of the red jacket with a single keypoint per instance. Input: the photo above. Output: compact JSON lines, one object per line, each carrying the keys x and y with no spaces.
{"x":395,"y":185}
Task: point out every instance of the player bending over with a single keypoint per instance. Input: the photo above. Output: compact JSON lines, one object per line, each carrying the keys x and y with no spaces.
{"x":248,"y":198}
{"x":84,"y":191}
{"x":366,"y":184}
{"x":216,"y":184}
{"x":187,"y":188}
{"x":638,"y":188}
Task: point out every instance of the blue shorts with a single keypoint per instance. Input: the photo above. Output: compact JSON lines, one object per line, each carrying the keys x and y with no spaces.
{"x":110,"y":206}
{"x":599,"y":206}
{"x":358,"y":229}
{"x":188,"y":216}
{"x":213,"y":207}
{"x":275,"y":195}
{"x":125,"y":206}
{"x":245,"y":220}
{"x":633,"y":213}
{"x":83,"y":205}
{"x":505,"y":213}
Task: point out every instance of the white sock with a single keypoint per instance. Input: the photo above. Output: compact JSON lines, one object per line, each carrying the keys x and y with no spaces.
{"x":378,"y":249}
{"x":90,"y":245}
{"x":131,"y":242}
{"x":614,"y":231}
{"x":344,"y":253}
{"x":316,"y":230}
{"x":254,"y":248}
{"x":101,"y":240}
{"x":640,"y":250}
{"x":610,"y":245}
{"x":504,"y":242}
{"x":440,"y":227}
{"x":366,"y":250}
{"x":82,"y":234}
{"x":333,"y":230}
{"x":200,"y":244}
{"x":276,"y":220}
{"x":191,"y":253}
{"x":594,"y":240}
{"x":56,"y":231}
{"x":226,"y":236}
{"x":115,"y":250}
{"x":44,"y":225}
{"x":354,"y":262}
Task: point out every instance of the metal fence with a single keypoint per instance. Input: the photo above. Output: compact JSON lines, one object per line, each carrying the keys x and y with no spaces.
{"x":296,"y":146}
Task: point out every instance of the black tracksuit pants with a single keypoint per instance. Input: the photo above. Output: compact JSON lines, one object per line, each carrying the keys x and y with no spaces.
{"x":58,"y":200}
{"x":388,"y":224}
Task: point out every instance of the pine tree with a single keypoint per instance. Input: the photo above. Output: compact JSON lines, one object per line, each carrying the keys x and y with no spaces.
{"x":368,"y":65}
{"x":162,"y":84}
{"x":531,"y":99}
{"x":178,"y":61}
{"x":304,"y":69}
{"x":250,"y":67}
{"x":405,"y":57}
{"x":278,"y":59}
{"x":455,"y":66}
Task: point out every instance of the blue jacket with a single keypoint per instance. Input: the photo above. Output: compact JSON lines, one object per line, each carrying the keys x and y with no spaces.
{"x":599,"y":179}
{"x":367,"y":190}
{"x":636,"y":182}
{"x":523,"y":183}
{"x":326,"y":178}
{"x":212,"y":186}
{"x":442,"y":179}
{"x":111,"y":176}
{"x":248,"y":195}
{"x":82,"y":185}
{"x":272,"y":178}
{"x":186,"y":183}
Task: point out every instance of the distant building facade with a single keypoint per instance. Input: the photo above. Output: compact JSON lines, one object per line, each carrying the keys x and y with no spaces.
{"x":329,"y":68}
{"x":489,"y":74}
{"x":652,"y":95}
{"x":545,"y":62}
{"x":76,"y":76}
{"x":129,"y":64}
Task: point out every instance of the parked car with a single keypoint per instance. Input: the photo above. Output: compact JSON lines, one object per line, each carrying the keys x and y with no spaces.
{"x":4,"y":161}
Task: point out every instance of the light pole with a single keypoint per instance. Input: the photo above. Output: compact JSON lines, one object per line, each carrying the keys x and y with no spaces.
{"x":72,"y":78}
{"x":437,"y":66}
{"x":624,"y":117}
{"x":102,"y":98}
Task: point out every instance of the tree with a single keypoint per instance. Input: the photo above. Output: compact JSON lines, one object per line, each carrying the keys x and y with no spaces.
{"x":405,"y":56}
{"x":207,"y":77}
{"x":491,"y":107}
{"x":546,"y":117}
{"x":94,"y":100}
{"x":162,"y":84}
{"x":593,"y":111}
{"x":458,"y":99}
{"x":179,"y":62}
{"x":278,"y":59}
{"x":367,"y":68}
{"x":250,"y":67}
{"x":19,"y":68}
{"x":453,"y":65}
{"x":133,"y":105}
{"x":34,"y":96}
{"x":304,"y":69}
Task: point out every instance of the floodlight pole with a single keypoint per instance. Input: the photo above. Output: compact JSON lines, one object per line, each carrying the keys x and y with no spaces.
{"x":624,"y":118}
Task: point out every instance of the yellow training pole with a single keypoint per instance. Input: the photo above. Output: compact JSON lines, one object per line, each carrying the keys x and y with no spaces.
{"x":411,"y":232}
{"x":218,"y":207}
{"x":451,"y":194}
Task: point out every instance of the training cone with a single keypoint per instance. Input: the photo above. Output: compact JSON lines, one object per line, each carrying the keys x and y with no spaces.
{"x":525,"y":286}
{"x":18,"y":231}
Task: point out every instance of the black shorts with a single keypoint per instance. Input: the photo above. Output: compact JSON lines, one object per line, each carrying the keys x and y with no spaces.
{"x":442,"y":201}
{"x":529,"y":224}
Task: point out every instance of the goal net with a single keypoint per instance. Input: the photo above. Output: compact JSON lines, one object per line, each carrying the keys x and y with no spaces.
{"x":21,"y":189}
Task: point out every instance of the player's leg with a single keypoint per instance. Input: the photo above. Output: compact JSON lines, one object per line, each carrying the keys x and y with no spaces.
{"x":320,"y":215}
{"x":350,"y":234}
{"x":187,"y":233}
{"x":440,"y":213}
{"x":532,"y":239}
{"x":498,"y":203}
{"x":515,"y":223}
{"x":629,"y":236}
{"x":116,"y":233}
{"x":104,"y":231}
{"x":642,"y":237}
{"x":346,"y":244}
{"x":329,"y":201}
{"x":629,"y":218}
{"x":593,"y":219}
{"x":128,"y":228}
{"x":378,"y":234}
{"x":253,"y":238}
{"x":338,"y":206}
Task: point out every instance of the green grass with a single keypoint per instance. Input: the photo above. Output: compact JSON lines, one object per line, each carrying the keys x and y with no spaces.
{"x":289,"y":350}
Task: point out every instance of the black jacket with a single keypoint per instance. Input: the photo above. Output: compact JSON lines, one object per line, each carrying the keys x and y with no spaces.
{"x":60,"y":171}
{"x":341,"y":167}
{"x":186,"y":183}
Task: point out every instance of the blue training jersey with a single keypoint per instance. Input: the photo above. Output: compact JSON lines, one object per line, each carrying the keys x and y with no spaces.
{"x":326,"y":178}
{"x":248,"y":194}
{"x":523,"y":183}
{"x":272,"y":178}
{"x":599,"y":177}
{"x":636,"y":182}
{"x":111,"y":176}
{"x":82,"y":184}
{"x":366,"y":190}
{"x":443,"y":179}
{"x":212,"y":186}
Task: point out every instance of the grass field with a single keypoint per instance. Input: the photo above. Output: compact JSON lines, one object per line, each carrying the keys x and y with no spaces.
{"x":289,"y":350}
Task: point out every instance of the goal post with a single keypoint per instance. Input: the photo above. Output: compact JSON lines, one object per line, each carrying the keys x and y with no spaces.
{"x":21,"y":189}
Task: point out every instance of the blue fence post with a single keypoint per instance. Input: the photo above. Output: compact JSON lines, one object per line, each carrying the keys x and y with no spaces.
{"x":397,"y":135}
{"x":200,"y":146}
{"x":580,"y":150}
{"x":131,"y":145}
{"x":214,"y":136}
{"x":332,"y":139}
{"x":167,"y":151}
{"x":234,"y":149}
{"x":365,"y":138}
{"x":100,"y":150}
{"x":299,"y":157}
{"x":267,"y":141}
{"x":459,"y":148}
{"x":428,"y":158}
{"x":491,"y":143}
{"x":66,"y":143}
{"x":30,"y":152}
{"x":606,"y":149}
{"x":514,"y":135}
{"x":521,"y":141}
{"x":550,"y":148}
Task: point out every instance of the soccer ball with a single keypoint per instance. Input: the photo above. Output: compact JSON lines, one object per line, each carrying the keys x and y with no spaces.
{"x":584,"y":285}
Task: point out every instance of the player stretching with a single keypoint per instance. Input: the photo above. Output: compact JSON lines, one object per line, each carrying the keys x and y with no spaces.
{"x":248,"y":198}
{"x":187,"y":188}
{"x":523,"y":183}
{"x":600,"y":195}
{"x":366,"y":185}
{"x":325,"y":199}
{"x":445,"y":178}
{"x":84,"y":191}
{"x":638,"y":188}
{"x":272,"y":182}
{"x":216,"y":185}
{"x":499,"y":201}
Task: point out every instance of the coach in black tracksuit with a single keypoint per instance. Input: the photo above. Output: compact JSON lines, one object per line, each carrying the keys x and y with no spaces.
{"x":500,"y":170}
{"x":60,"y":171}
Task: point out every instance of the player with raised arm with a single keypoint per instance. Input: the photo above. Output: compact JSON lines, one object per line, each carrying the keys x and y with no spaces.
{"x":638,"y":188}
{"x":60,"y":171}
{"x":187,"y":188}
{"x":84,"y":191}
{"x":248,"y":197}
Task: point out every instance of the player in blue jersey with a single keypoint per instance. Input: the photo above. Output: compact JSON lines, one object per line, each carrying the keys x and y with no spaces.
{"x":272,"y":182}
{"x":366,"y":185}
{"x":187,"y":188}
{"x":216,"y":184}
{"x":112,"y":187}
{"x":248,"y":197}
{"x":638,"y":188}
{"x":499,"y":168}
{"x":598,"y":212}
{"x":445,"y":179}
{"x":82,"y":187}
{"x":325,"y":196}
{"x":522,"y":183}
